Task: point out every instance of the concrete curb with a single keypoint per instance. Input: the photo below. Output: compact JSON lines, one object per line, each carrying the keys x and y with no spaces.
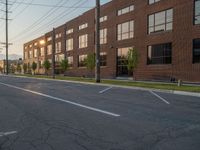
{"x":117,"y":86}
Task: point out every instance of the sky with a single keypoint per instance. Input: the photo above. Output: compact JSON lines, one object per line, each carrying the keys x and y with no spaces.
{"x":31,"y":21}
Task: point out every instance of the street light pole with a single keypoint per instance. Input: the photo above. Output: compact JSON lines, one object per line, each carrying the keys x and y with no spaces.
{"x":97,"y":41}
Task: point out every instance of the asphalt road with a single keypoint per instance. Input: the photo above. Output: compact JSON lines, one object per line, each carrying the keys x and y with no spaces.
{"x":52,"y":115}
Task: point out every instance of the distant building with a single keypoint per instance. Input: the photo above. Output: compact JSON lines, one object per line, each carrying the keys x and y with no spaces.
{"x":166,"y":34}
{"x":13,"y":64}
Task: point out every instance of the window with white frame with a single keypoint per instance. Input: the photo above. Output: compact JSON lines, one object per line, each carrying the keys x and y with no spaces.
{"x":69,"y":31}
{"x":30,"y":54}
{"x":42,"y":51}
{"x":49,"y":49}
{"x":35,"y":52}
{"x":153,"y":1}
{"x":58,"y":35}
{"x":83,"y":26}
{"x":104,"y":18}
{"x":103,"y":36}
{"x":125,"y":10}
{"x":125,"y":30}
{"x":69,"y":44}
{"x":59,"y":58}
{"x":58,"y":47}
{"x":49,"y":39}
{"x":83,"y":41}
{"x":81,"y":60}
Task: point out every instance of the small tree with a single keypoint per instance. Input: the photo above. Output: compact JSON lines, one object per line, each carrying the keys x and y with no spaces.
{"x":132,"y":59}
{"x":34,"y":67}
{"x":25,"y":67}
{"x":90,"y":62}
{"x":64,"y":64}
{"x":19,"y":69}
{"x":46,"y":66}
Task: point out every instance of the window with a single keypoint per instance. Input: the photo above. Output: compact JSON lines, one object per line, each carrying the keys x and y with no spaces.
{"x":103,"y":59}
{"x":161,"y":21}
{"x":197,"y":12}
{"x":122,"y":61}
{"x":196,"y":51}
{"x":103,"y":36}
{"x":26,"y":55}
{"x":70,"y":61}
{"x":58,"y":47}
{"x":83,"y":26}
{"x":125,"y":10}
{"x":30,"y":54}
{"x":69,"y":31}
{"x":125,"y":30}
{"x":153,"y":1}
{"x":49,"y":39}
{"x":42,"y":51}
{"x":58,"y":35}
{"x":49,"y":49}
{"x":35,"y":52}
{"x":83,"y":41}
{"x":35,"y":44}
{"x":104,"y":18}
{"x":59,"y":58}
{"x":81,"y":60}
{"x":69,"y":44}
{"x":30,"y":46}
{"x":160,"y":54}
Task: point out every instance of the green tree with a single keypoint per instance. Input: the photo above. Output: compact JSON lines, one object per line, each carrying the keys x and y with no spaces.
{"x":19,"y":69}
{"x":34,"y":67}
{"x":25,"y":67}
{"x":90,"y":62}
{"x":46,"y":66}
{"x":64,"y":64}
{"x":133,"y":59}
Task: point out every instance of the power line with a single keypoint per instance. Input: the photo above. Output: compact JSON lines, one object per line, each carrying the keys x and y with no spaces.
{"x":39,"y":21}
{"x":47,"y":5}
{"x":60,"y":16}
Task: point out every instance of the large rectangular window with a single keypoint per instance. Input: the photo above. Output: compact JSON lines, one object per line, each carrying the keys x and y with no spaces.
{"x":83,"y":41}
{"x":81,"y":60}
{"x":59,"y":58}
{"x":197,"y":12}
{"x":35,"y":53}
{"x":69,"y":44}
{"x":160,"y":54}
{"x":153,"y":1}
{"x":42,"y":51}
{"x":125,"y":30}
{"x":196,"y":51}
{"x":161,"y":21}
{"x":103,"y":36}
{"x":49,"y":49}
{"x":125,"y":10}
{"x":83,"y":26}
{"x":58,"y":47}
{"x":122,"y":61}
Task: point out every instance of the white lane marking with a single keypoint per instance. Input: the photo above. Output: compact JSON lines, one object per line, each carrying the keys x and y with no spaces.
{"x":62,"y":100}
{"x":164,"y":100}
{"x":105,"y":90}
{"x":7,"y":133}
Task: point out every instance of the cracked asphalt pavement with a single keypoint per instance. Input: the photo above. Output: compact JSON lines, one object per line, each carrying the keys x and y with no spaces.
{"x":44,"y":123}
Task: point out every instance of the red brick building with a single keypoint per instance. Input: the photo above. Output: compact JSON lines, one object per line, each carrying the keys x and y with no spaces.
{"x":166,"y":33}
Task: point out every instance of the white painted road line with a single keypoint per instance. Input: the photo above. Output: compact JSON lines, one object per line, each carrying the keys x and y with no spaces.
{"x":164,"y":100}
{"x":103,"y":91}
{"x":62,"y":100}
{"x":7,"y":133}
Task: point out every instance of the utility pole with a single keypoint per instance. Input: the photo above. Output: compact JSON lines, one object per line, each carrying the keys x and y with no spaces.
{"x":97,"y":41}
{"x":53,"y":53}
{"x":7,"y":37}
